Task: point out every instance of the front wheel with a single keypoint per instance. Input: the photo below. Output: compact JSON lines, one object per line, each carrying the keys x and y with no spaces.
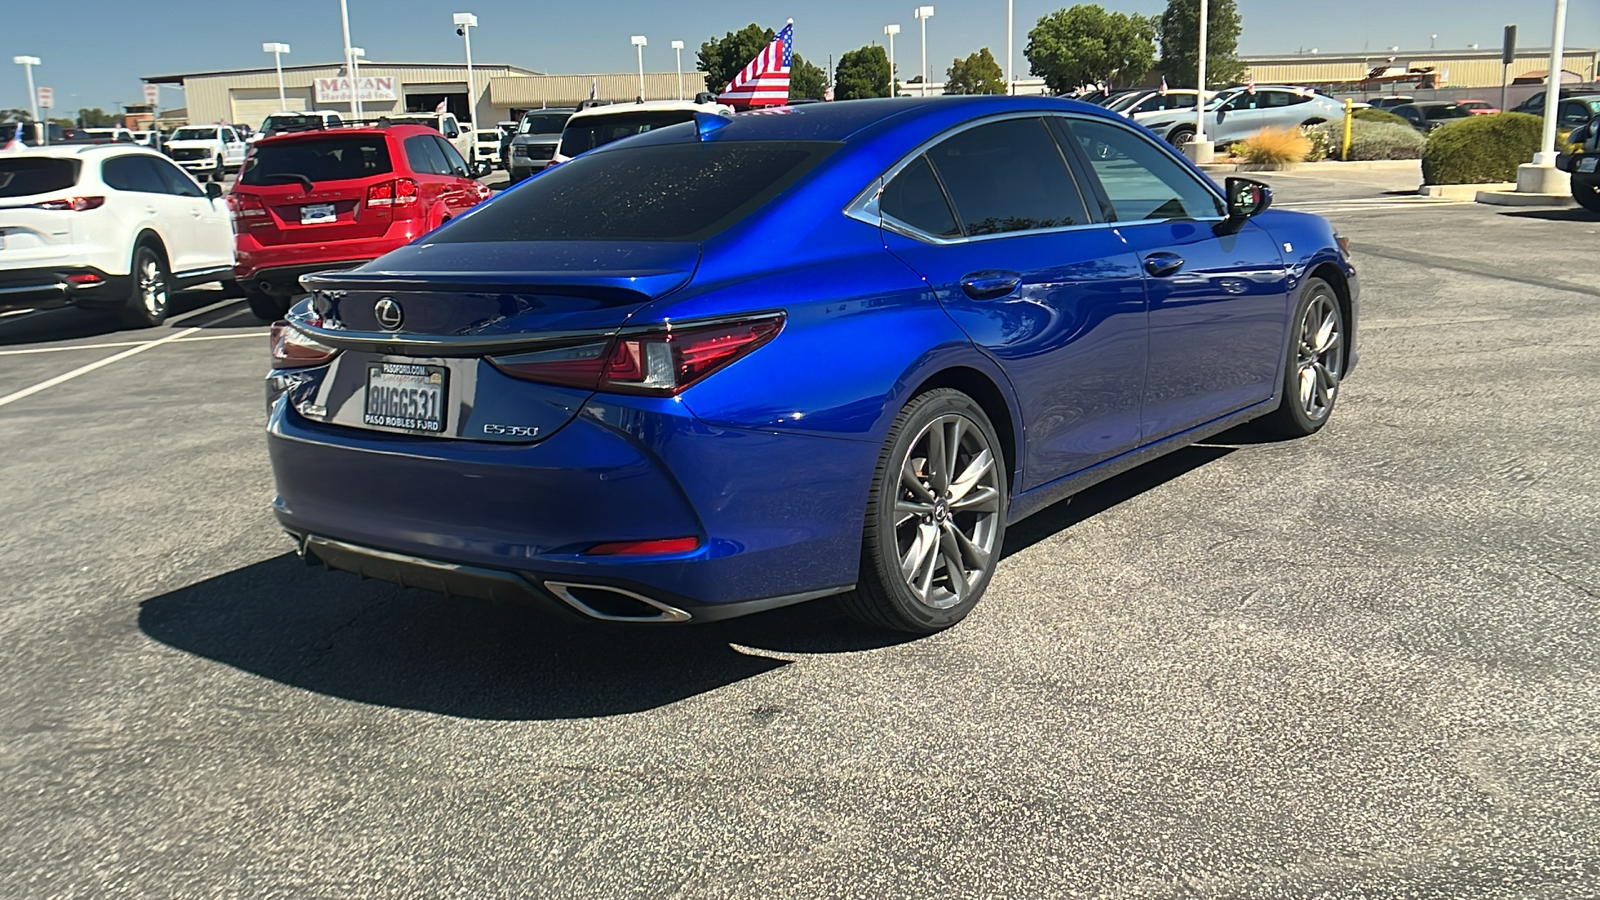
{"x":1181,"y":135}
{"x":935,"y":519}
{"x":219,"y":171}
{"x":1586,"y":190}
{"x":1315,"y":367}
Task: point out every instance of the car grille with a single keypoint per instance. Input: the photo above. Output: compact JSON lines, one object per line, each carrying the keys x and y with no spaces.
{"x":534,"y":151}
{"x":190,"y":153}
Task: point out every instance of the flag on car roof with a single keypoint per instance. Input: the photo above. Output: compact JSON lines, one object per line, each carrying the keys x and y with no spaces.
{"x":1163,"y":85}
{"x":16,"y":142}
{"x":765,"y":81}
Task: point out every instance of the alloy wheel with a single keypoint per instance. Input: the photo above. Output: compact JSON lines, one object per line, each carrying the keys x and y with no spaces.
{"x":152,"y":286}
{"x":947,"y":511}
{"x":1320,"y":355}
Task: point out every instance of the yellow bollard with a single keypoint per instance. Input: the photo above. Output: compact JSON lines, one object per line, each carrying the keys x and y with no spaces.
{"x":1349,"y":115}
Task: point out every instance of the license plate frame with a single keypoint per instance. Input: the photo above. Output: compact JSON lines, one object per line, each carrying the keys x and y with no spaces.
{"x":407,"y":397}
{"x":1588,"y":164}
{"x":319,"y":214}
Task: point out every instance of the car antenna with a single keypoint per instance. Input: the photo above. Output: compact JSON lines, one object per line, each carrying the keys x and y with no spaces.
{"x":707,"y":124}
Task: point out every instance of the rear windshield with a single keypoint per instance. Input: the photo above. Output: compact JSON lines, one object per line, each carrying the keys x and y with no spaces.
{"x":36,"y":175}
{"x":1445,"y":112}
{"x":195,"y":134}
{"x":663,"y":192}
{"x":597,"y":131}
{"x":323,"y":159}
{"x":543,"y":123}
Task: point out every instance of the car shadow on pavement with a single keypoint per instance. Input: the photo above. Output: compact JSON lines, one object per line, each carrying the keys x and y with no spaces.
{"x":334,"y":634}
{"x":1569,"y":214}
{"x":71,"y":323}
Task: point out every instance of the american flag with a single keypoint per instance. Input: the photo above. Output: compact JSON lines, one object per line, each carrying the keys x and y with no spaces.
{"x":16,"y":142}
{"x":765,"y":81}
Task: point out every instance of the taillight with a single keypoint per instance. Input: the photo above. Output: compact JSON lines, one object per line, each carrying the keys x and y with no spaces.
{"x":661,"y":362}
{"x":72,"y":204}
{"x":292,"y":349}
{"x":399,"y":192}
{"x":405,"y":191}
{"x":381,"y":194}
{"x":245,"y":206}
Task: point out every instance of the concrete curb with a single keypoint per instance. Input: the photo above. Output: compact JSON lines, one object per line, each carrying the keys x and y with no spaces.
{"x":1464,"y":191}
{"x":1514,"y":198}
{"x":1326,"y":167}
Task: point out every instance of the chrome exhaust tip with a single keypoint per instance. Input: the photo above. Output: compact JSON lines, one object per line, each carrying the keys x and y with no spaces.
{"x":614,"y":604}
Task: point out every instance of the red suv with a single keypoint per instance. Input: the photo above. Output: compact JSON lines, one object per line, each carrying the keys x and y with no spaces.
{"x":318,"y":200}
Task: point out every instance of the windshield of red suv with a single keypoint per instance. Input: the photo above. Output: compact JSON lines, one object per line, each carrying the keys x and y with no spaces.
{"x":332,"y":158}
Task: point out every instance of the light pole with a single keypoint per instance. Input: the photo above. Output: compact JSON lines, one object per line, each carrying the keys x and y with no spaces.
{"x":277,"y":51}
{"x":924,"y":13}
{"x":1011,"y":84}
{"x":357,"y":54}
{"x":677,"y":47}
{"x":1433,"y":41}
{"x":894,"y":83}
{"x":465,"y":22}
{"x":27,"y":63}
{"x":1541,"y":175}
{"x":639,"y":43}
{"x":349,"y":59}
{"x":1201,"y":150}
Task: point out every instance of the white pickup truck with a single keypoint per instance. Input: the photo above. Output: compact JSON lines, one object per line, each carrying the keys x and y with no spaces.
{"x":207,"y":150}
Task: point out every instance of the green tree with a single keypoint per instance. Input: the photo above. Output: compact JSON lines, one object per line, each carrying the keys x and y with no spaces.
{"x":1086,"y":44}
{"x":977,"y":74}
{"x":806,"y":80}
{"x":862,"y":73}
{"x":1180,"y":42}
{"x":96,"y":118}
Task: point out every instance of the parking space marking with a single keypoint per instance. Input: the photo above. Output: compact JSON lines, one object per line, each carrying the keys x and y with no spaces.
{"x":113,"y":344}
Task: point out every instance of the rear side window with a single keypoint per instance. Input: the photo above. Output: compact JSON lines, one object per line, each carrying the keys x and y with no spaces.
{"x":36,"y":175}
{"x":133,"y":173}
{"x":915,"y":198}
{"x":1008,"y":176}
{"x":589,"y":132}
{"x":422,"y":152}
{"x":321,"y":159}
{"x":664,"y":192}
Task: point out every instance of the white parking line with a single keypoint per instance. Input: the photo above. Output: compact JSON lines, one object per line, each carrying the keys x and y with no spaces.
{"x":117,"y":357}
{"x":191,"y":340}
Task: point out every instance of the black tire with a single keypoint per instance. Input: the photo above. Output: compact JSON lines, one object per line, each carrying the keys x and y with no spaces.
{"x":1181,"y":135}
{"x":1586,"y":190}
{"x":149,"y":289}
{"x":219,"y":172}
{"x":1300,"y":413}
{"x":267,"y":307}
{"x":884,"y":596}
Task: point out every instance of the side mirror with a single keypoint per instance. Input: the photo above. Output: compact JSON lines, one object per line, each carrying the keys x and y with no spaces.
{"x":1246,"y":198}
{"x":481,"y":169}
{"x":213,"y":190}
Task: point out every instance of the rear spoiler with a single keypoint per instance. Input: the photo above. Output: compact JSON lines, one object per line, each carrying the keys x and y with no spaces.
{"x":623,"y":285}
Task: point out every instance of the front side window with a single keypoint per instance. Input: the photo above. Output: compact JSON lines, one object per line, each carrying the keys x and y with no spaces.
{"x":454,"y":164}
{"x":1140,"y":179}
{"x":424,"y":157}
{"x":1008,"y":176}
{"x":662,"y":192}
{"x":177,"y":181}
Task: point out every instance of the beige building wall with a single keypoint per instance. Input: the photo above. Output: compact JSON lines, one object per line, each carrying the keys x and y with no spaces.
{"x":1469,"y":69}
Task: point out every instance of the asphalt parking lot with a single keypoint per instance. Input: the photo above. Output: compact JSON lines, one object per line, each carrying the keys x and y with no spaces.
{"x":1357,"y":665}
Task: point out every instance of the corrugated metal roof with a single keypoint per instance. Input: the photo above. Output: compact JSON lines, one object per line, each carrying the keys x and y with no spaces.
{"x":339,"y":63}
{"x":532,"y":91}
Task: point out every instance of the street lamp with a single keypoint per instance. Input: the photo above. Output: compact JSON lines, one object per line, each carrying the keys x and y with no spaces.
{"x":349,"y":60}
{"x":1541,"y":175}
{"x":465,"y":22}
{"x":1011,"y":87}
{"x":677,"y":47}
{"x":277,"y":51}
{"x":1433,"y":41}
{"x":357,"y":54}
{"x":924,"y":13}
{"x":894,"y":83}
{"x":1201,"y":150}
{"x":27,"y":63}
{"x":639,"y":44}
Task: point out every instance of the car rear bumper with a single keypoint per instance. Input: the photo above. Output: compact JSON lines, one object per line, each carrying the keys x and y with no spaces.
{"x":255,"y":261}
{"x":53,"y":287}
{"x":620,"y":470}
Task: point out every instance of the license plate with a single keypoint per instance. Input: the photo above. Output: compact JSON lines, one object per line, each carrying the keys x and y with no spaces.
{"x":406,"y":397}
{"x":318,"y":214}
{"x":1588,"y":163}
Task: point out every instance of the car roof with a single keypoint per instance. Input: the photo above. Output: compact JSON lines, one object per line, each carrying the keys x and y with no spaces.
{"x":398,"y":129}
{"x":79,"y":151}
{"x":649,"y":106}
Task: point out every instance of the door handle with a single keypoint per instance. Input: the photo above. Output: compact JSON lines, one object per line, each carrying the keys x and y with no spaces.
{"x":1163,"y":264}
{"x":990,"y":284}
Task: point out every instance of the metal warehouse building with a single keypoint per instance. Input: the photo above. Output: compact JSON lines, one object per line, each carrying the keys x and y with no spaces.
{"x":247,"y":96}
{"x":1474,"y":69}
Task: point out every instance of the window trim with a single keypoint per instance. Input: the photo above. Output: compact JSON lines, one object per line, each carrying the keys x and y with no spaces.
{"x":864,"y":208}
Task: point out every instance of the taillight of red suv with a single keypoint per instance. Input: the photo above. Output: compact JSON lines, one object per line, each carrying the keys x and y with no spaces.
{"x":401,"y":193}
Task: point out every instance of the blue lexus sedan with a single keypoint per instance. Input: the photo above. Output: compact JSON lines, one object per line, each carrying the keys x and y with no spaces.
{"x":835,"y":349}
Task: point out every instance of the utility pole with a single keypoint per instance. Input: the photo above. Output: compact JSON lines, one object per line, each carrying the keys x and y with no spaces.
{"x":1201,"y":150}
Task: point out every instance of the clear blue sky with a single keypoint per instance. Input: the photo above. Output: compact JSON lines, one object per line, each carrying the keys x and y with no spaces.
{"x":98,"y":49}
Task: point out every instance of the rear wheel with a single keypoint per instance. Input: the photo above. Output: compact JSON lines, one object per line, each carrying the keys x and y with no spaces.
{"x":1586,"y":190}
{"x":267,"y":307}
{"x":1315,"y":366}
{"x":935,"y":519}
{"x":147,"y":300}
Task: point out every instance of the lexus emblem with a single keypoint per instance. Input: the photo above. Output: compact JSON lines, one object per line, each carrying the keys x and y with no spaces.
{"x":388,"y":313}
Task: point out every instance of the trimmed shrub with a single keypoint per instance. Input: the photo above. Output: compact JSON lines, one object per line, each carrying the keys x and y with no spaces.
{"x":1379,"y":115}
{"x":1322,"y":144}
{"x":1481,"y":149}
{"x":1375,"y":140}
{"x":1274,"y":146}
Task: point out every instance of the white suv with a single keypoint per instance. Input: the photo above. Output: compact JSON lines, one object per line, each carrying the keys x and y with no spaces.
{"x":107,"y":226}
{"x":207,"y":150}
